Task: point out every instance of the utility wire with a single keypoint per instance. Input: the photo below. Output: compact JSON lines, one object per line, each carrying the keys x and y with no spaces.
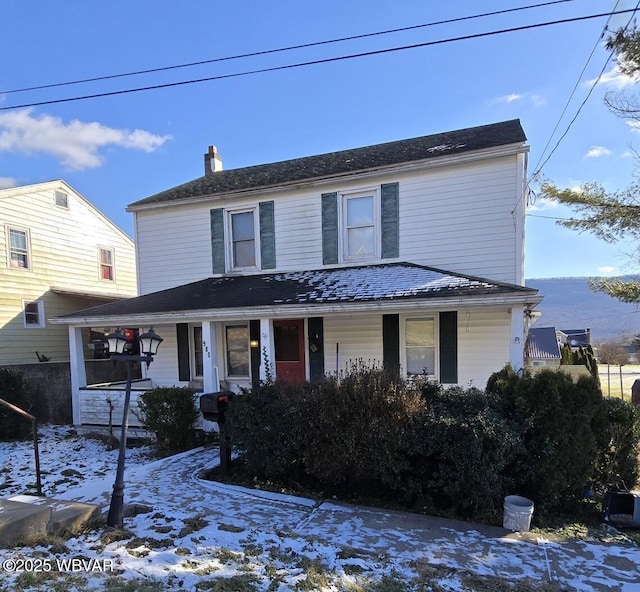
{"x":584,"y":102}
{"x":575,"y":87}
{"x":319,"y":61}
{"x":283,"y":49}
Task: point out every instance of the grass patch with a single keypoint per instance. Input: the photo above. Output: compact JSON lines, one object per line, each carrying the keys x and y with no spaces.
{"x":240,"y":583}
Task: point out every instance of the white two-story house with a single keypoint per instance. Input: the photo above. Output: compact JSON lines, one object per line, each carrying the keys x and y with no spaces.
{"x":408,"y":254}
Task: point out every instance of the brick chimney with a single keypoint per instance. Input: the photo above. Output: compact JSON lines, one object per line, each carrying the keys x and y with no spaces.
{"x":212,"y":161}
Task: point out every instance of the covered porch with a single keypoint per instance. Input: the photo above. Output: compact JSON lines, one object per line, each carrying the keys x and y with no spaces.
{"x":227,"y":333}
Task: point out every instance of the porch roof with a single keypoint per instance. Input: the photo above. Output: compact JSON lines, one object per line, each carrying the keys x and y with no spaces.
{"x":321,"y":290}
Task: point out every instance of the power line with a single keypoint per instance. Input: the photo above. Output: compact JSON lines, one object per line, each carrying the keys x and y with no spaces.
{"x":584,"y":102}
{"x":316,"y":62}
{"x":283,"y":49}
{"x":575,"y":87}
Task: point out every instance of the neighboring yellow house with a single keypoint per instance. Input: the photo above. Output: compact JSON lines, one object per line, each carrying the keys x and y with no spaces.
{"x":58,"y":254}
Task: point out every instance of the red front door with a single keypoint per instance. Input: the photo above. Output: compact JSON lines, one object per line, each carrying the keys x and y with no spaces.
{"x":288,"y":337}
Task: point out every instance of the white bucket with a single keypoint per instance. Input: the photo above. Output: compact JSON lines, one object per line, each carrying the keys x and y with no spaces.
{"x":517,"y":513}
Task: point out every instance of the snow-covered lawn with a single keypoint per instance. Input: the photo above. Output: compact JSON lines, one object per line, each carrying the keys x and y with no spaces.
{"x":200,"y":535}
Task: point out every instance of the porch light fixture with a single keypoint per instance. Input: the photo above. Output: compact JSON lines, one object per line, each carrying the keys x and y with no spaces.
{"x":148,"y":343}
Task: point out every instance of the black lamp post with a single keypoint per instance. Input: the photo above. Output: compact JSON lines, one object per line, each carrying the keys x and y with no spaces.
{"x":149,"y":343}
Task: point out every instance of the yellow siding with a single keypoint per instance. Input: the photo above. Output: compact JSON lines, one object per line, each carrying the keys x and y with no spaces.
{"x":64,"y":253}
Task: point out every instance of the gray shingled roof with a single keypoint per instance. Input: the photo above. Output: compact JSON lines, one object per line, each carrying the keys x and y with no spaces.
{"x":343,"y":162}
{"x":542,"y":344}
{"x":386,"y":282}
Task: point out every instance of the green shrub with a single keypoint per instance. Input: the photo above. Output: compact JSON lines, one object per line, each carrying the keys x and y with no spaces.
{"x":359,"y":429}
{"x":556,"y":418}
{"x":268,"y":424}
{"x":462,"y":449}
{"x":15,"y":390}
{"x":618,"y":437}
{"x":171,"y":414}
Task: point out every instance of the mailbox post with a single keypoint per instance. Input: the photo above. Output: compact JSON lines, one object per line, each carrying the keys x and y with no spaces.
{"x":214,"y":407}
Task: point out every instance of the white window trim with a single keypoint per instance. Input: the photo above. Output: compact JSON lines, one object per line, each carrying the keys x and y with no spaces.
{"x":436,"y":342}
{"x":229,"y":237}
{"x":8,"y":229}
{"x":113,"y":263}
{"x":227,"y":373}
{"x":41,"y":320}
{"x":345,"y":196}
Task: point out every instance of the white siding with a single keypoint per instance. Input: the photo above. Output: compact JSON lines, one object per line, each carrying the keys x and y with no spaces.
{"x":348,"y":339}
{"x":459,"y":218}
{"x":483,"y":344}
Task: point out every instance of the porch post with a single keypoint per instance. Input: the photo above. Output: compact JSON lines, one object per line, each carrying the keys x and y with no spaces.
{"x":78,"y":372}
{"x":266,"y":349}
{"x":210,"y":357}
{"x":517,"y":338}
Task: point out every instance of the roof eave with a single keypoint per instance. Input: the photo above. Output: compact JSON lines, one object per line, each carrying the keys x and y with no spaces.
{"x":407,"y":167}
{"x":524,"y":298}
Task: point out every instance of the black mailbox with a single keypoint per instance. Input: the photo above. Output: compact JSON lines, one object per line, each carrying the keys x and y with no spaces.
{"x":214,"y":405}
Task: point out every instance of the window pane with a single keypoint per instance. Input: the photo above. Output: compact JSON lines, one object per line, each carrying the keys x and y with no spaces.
{"x":238,"y":350}
{"x":361,"y":241}
{"x":360,"y":211}
{"x":18,"y":239}
{"x":31,"y":313}
{"x":420,"y":346}
{"x":244,"y":253}
{"x":421,"y":360}
{"x":197,"y":351}
{"x":18,"y":252}
{"x":242,"y":226}
{"x":420,"y":332}
{"x":105,"y":256}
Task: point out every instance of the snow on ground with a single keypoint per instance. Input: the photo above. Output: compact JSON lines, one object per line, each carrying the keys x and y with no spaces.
{"x":201,"y":535}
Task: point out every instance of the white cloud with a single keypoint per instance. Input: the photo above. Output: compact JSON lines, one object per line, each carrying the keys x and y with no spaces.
{"x":6,"y":182}
{"x":613,"y":78}
{"x":597,"y":151}
{"x":536,"y":100}
{"x":76,"y":144}
{"x":607,"y":269}
{"x":509,"y":98}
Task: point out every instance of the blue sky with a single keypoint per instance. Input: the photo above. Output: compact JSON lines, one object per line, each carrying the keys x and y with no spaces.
{"x":117,"y":149}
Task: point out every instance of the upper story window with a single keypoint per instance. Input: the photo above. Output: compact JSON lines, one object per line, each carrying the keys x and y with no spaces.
{"x":106,"y":264}
{"x":19,"y":256}
{"x":243,"y":247}
{"x":62,"y":199}
{"x":360,"y":226}
{"x":33,"y":312}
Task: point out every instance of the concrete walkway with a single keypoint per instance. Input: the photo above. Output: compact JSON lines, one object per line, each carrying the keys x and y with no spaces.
{"x":172,"y":487}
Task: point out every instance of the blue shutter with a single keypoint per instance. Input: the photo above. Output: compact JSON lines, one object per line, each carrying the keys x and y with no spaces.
{"x":390,"y":220}
{"x":329,"y":228}
{"x":217,"y":240}
{"x":267,"y":236}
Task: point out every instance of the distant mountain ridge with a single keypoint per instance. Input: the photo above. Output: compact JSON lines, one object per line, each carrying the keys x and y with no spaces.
{"x":569,"y":303}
